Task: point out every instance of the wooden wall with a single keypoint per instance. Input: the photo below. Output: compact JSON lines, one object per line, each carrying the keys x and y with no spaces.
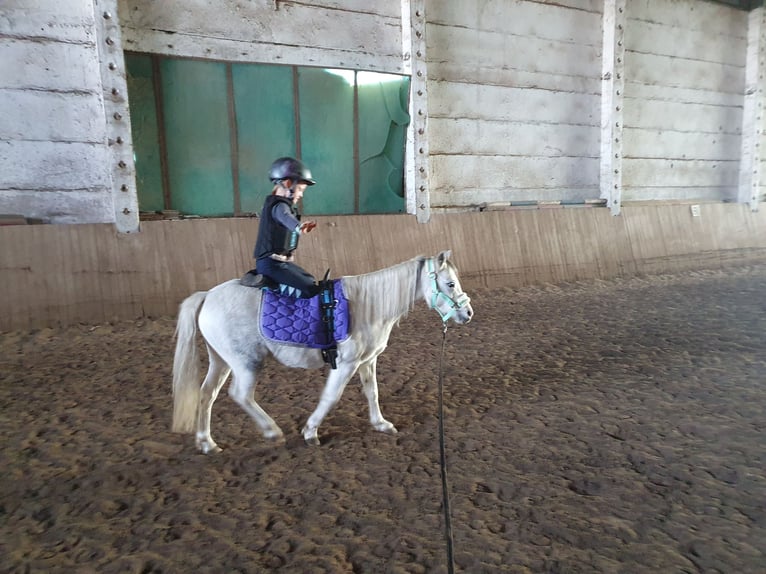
{"x":56,"y":274}
{"x":514,"y":113}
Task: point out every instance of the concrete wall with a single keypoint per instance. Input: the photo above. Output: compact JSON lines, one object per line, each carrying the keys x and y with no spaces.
{"x":326,"y":33}
{"x":65,"y":154}
{"x":513,"y":95}
{"x":684,"y":89}
{"x":65,"y":142}
{"x":514,"y":101}
{"x":53,"y":152}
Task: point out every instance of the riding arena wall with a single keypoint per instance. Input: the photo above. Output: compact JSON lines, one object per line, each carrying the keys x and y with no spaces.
{"x":90,"y":273}
{"x":549,"y":142}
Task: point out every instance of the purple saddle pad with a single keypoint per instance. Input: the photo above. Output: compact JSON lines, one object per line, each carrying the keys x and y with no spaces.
{"x":285,"y":319}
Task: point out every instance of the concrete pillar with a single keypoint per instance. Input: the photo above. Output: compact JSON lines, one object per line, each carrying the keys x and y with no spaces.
{"x":751,"y":170}
{"x":417,"y":162}
{"x":612,"y":97}
{"x":115,"y":96}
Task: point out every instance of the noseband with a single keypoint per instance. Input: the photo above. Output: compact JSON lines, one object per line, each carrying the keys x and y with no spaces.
{"x":436,"y":293}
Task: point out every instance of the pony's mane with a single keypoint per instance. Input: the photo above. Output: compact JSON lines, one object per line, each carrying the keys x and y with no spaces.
{"x":384,"y":294}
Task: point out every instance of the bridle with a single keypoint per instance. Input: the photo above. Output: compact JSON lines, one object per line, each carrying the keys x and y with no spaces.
{"x":455,"y":304}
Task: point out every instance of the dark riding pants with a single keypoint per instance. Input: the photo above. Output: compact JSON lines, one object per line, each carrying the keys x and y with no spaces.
{"x":288,"y":273}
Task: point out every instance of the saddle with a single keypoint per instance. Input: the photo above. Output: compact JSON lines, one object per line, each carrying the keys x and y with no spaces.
{"x":254,"y":279}
{"x":319,"y":322}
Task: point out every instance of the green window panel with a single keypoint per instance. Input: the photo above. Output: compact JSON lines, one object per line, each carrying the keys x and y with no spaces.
{"x":206,"y":132}
{"x":198,"y":141}
{"x":265,"y":115}
{"x":145,"y":132}
{"x":326,"y":104}
{"x":383,"y":121}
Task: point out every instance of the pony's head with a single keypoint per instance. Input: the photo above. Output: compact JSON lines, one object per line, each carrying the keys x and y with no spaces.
{"x":442,"y":290}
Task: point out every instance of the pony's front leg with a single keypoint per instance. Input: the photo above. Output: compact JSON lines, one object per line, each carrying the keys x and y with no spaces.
{"x":333,"y":389}
{"x":368,"y":374}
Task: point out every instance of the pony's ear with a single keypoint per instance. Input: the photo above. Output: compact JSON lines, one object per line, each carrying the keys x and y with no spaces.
{"x":441,"y":259}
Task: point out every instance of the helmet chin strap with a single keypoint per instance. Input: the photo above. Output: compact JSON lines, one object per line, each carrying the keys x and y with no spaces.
{"x":290,"y":190}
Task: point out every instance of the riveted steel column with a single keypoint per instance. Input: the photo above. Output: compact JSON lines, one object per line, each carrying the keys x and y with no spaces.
{"x":612,"y":96}
{"x":754,"y":112}
{"x":115,"y":97}
{"x":414,"y":55}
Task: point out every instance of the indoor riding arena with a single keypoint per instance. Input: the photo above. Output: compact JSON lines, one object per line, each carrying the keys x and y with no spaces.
{"x":594,"y":166}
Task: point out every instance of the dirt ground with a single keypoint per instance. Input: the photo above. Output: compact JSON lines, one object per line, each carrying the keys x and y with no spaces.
{"x":592,"y":427}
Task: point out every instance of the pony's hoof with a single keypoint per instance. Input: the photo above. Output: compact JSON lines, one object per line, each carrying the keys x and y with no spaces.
{"x":310,"y":437}
{"x":208,"y":448}
{"x":275,"y":439}
{"x":274,"y":434}
{"x":386,"y":428}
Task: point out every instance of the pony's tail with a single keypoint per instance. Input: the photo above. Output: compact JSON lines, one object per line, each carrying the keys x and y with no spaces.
{"x":186,"y":375}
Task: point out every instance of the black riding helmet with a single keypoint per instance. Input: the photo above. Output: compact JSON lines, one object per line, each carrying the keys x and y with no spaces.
{"x":290,"y":168}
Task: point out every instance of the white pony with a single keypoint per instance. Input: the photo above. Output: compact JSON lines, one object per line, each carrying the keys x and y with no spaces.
{"x":228,"y":319}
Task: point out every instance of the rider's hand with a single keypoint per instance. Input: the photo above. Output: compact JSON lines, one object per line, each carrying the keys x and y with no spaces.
{"x":308,"y":226}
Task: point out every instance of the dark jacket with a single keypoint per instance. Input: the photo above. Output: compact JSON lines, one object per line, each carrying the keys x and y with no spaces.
{"x":273,"y":235}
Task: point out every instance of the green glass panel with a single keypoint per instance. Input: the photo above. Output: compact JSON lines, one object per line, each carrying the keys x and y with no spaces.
{"x":145,"y":132}
{"x":383,"y":120}
{"x":263,"y":99}
{"x":198,"y":140}
{"x":327,"y":140}
{"x":195,"y":110}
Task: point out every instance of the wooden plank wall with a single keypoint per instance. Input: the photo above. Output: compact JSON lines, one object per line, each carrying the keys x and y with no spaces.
{"x":57,"y":275}
{"x":684,"y":86}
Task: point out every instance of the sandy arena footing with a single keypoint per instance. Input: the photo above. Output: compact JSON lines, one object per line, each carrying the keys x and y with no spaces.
{"x":613,"y":426}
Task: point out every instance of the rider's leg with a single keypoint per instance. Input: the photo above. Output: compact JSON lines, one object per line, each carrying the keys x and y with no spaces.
{"x":290,"y":274}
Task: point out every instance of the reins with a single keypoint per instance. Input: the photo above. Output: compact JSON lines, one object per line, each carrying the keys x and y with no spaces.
{"x":443,"y":462}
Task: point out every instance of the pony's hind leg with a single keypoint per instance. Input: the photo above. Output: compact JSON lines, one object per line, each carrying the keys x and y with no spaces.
{"x":368,"y":374}
{"x":217,"y":373}
{"x":242,"y":390}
